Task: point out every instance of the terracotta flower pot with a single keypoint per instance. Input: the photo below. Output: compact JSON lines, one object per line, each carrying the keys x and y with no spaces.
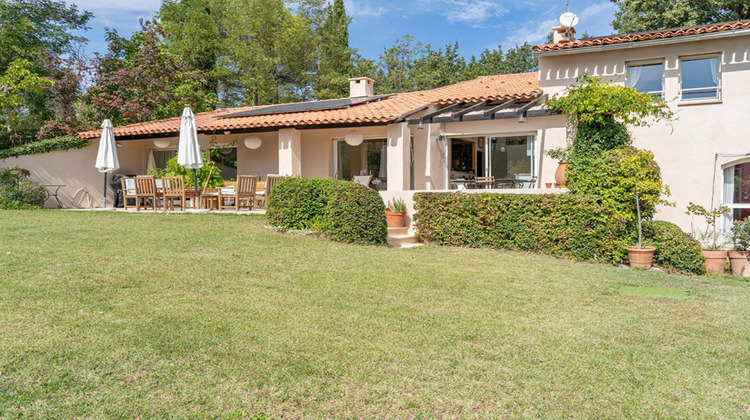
{"x":641,"y":258}
{"x":548,"y":185}
{"x":394,"y":218}
{"x":562,"y":167}
{"x":738,"y":261}
{"x":715,"y":261}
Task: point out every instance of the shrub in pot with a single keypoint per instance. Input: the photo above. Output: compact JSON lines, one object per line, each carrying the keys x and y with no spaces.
{"x":561,"y":154}
{"x":640,"y":256}
{"x":739,"y":256}
{"x":395,"y":213}
{"x":716,"y":257}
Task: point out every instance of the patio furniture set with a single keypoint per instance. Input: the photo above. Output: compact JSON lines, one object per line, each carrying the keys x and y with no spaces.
{"x":489,"y":182}
{"x":170,"y":193}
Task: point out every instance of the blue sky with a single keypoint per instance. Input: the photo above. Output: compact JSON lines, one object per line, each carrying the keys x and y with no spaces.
{"x":475,"y":24}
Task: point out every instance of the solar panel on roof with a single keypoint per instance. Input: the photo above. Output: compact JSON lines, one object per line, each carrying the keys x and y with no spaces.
{"x":306,"y":106}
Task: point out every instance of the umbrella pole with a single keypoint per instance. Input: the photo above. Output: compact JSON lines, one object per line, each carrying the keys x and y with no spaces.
{"x":197,"y":198}
{"x":104,"y":203}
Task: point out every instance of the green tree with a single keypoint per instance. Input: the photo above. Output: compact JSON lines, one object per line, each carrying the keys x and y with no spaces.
{"x":16,"y":84}
{"x":335,"y":57}
{"x":31,"y":28}
{"x":646,"y":15}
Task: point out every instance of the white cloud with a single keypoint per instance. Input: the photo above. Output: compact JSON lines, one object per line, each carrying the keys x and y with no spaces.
{"x":472,"y":12}
{"x":363,"y":9}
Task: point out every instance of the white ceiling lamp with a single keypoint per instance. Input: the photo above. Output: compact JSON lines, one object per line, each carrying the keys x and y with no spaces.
{"x":354,"y":138}
{"x":162,"y":143}
{"x":253,"y":142}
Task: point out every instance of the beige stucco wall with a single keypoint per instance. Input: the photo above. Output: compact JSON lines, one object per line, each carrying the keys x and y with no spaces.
{"x":685,"y":149}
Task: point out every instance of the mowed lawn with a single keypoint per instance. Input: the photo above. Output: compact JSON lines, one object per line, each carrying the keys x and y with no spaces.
{"x":190,"y":316}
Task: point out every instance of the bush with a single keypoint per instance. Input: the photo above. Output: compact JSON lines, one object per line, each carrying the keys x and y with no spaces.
{"x":563,"y":225}
{"x":208,"y":176}
{"x":44,"y":146}
{"x":17,"y":191}
{"x":613,"y":179}
{"x":675,"y":249}
{"x":342,"y":210}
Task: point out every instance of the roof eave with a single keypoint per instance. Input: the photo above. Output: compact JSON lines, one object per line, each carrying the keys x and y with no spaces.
{"x":647,"y":43}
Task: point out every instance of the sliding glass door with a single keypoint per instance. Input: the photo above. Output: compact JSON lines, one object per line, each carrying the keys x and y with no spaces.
{"x":511,"y":158}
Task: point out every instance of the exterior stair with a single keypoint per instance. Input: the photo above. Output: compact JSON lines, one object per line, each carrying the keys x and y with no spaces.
{"x":401,"y":238}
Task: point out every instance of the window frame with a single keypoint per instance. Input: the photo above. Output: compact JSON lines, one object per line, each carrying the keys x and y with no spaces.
{"x":335,"y":152}
{"x":718,"y":87}
{"x":650,"y":62}
{"x":728,"y":170}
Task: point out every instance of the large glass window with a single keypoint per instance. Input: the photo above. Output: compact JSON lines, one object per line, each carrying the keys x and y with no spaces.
{"x":647,"y":78}
{"x":369,"y":158}
{"x":699,"y":78}
{"x":512,"y":157}
{"x":737,"y":191}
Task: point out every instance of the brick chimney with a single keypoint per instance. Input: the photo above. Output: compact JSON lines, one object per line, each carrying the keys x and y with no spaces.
{"x":360,"y":87}
{"x":563,"y":34}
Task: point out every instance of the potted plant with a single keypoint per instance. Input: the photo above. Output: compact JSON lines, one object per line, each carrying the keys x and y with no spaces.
{"x":716,"y":257}
{"x":395,"y":213}
{"x":561,"y":154}
{"x":640,"y":256}
{"x":738,"y":258}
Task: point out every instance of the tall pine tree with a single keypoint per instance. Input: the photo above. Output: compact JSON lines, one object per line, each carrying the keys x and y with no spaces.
{"x":335,"y":57}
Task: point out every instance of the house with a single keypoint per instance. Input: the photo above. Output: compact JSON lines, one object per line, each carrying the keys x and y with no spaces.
{"x":490,"y":126}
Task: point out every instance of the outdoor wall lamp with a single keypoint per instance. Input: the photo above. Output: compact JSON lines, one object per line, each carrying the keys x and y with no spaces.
{"x":253,"y":142}
{"x":162,"y":143}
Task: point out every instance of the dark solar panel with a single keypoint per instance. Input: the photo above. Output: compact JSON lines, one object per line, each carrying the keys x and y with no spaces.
{"x":305,"y":106}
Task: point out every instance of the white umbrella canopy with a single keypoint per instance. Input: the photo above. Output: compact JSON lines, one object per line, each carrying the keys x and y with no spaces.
{"x":106,"y":157}
{"x":189,"y":151}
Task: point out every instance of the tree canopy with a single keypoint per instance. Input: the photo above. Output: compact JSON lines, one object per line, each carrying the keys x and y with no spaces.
{"x":646,"y":15}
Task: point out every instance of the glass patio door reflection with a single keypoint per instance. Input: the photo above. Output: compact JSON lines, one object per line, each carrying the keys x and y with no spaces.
{"x":510,"y":157}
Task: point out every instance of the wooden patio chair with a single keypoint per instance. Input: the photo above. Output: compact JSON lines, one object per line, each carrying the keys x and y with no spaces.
{"x":173,"y":188}
{"x":484,"y":181}
{"x":128,"y":191}
{"x":362,"y":180}
{"x":145,"y":189}
{"x":271,"y":181}
{"x":244,"y":191}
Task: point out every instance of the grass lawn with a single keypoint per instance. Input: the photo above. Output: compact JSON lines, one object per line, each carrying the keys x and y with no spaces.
{"x":188,"y":316}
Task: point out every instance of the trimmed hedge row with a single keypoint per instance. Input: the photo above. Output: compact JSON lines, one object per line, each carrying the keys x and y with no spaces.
{"x":45,"y":146}
{"x":341,"y":210}
{"x":562,"y":225}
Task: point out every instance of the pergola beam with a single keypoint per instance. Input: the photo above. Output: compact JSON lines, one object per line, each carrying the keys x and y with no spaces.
{"x":460,"y":113}
{"x":430,"y":116}
{"x":495,"y":109}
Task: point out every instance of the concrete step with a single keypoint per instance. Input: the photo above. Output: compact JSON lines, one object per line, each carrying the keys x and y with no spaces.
{"x":403,"y":241}
{"x":395,"y":231}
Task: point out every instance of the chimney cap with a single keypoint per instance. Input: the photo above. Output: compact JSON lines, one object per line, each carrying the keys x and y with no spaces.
{"x":358,"y":89}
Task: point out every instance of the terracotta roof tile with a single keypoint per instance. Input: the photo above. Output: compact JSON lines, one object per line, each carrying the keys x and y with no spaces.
{"x":646,"y":36}
{"x":391,"y":109}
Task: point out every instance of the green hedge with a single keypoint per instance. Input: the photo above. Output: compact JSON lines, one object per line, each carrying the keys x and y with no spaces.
{"x":342,"y":210}
{"x":44,"y":146}
{"x":675,"y":249}
{"x":18,"y":192}
{"x":562,"y":225}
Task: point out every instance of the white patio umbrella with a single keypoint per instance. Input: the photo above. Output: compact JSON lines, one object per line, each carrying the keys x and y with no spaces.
{"x":189,"y":151}
{"x":106,"y":157}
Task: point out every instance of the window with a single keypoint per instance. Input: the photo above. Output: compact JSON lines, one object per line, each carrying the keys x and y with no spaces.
{"x":647,"y":78}
{"x":737,"y":192}
{"x":699,"y":78}
{"x":369,"y":158}
{"x":512,"y":158}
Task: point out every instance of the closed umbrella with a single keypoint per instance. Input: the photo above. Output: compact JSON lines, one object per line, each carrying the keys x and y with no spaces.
{"x":189,"y":151}
{"x":106,"y":157}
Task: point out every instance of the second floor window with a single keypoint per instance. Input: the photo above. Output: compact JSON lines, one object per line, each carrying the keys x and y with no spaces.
{"x":699,"y":78}
{"x":647,"y":78}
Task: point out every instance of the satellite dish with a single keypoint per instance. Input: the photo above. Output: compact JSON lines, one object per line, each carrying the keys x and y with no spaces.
{"x":569,"y":19}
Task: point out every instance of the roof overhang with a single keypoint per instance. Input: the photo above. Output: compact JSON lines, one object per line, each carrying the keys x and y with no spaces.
{"x":486,"y":110}
{"x":646,"y":43}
